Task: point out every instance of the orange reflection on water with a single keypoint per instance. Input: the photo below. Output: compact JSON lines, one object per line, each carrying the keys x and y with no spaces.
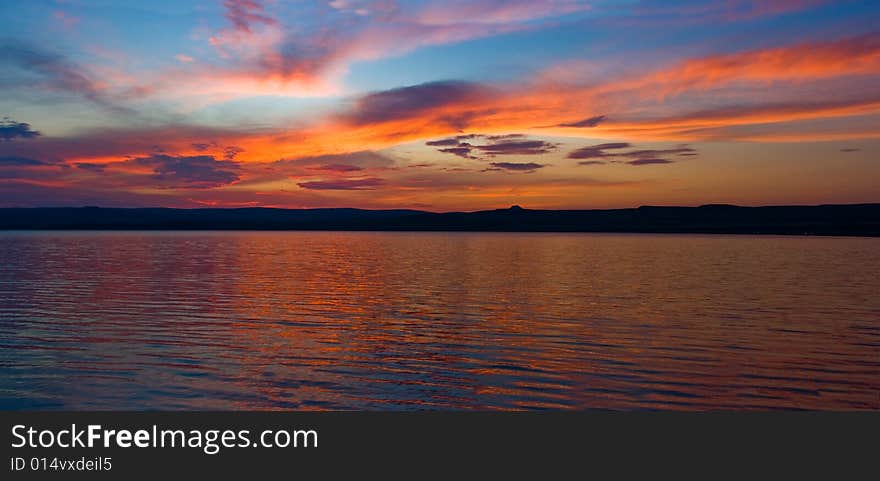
{"x":329,"y":320}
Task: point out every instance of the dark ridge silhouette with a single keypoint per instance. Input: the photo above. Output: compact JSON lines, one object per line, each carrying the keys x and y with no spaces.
{"x":849,"y":220}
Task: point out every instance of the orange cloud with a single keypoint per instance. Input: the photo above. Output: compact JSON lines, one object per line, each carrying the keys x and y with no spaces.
{"x":383,"y":119}
{"x":188,"y":159}
{"x":622,"y":100}
{"x":803,"y":62}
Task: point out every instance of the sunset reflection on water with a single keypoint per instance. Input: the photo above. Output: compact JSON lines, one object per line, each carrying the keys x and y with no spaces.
{"x":341,"y":320}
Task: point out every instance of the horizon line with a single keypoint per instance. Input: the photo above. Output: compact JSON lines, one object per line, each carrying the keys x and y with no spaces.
{"x":511,"y":207}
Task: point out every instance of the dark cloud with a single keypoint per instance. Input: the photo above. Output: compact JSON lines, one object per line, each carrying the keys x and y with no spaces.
{"x":11,"y":130}
{"x":597,"y":151}
{"x":498,"y":138}
{"x":619,"y":150}
{"x":411,"y":101}
{"x":649,"y":161}
{"x":339,"y":167}
{"x":508,"y":144}
{"x":442,"y":142}
{"x":463,"y":151}
{"x":525,"y":147}
{"x":455,"y":145}
{"x":590,"y":122}
{"x":230,"y":152}
{"x":192,"y":172}
{"x":343,"y":184}
{"x":519,"y":167}
{"x":12,"y":160}
{"x":91,"y":166}
{"x":850,"y":149}
{"x":461,"y":120}
{"x":14,"y":167}
{"x":680,"y":150}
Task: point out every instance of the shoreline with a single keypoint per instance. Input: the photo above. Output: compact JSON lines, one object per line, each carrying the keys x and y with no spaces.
{"x":849,"y":220}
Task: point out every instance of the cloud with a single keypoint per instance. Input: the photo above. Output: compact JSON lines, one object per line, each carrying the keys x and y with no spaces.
{"x":644,"y":104}
{"x":360,"y":160}
{"x":358,"y":7}
{"x":191,"y":172}
{"x":590,"y":122}
{"x":700,"y":11}
{"x":110,"y":144}
{"x":231,"y":151}
{"x":23,"y":169}
{"x":495,"y":12}
{"x":339,"y":167}
{"x":411,"y":101}
{"x":11,"y":130}
{"x":56,"y":72}
{"x":11,"y":160}
{"x":618,"y":150}
{"x":92,"y":167}
{"x":823,"y":79}
{"x":184,"y":58}
{"x":519,"y":167}
{"x":499,"y":138}
{"x":507,"y":144}
{"x":442,"y":142}
{"x":368,"y":183}
{"x":680,"y":150}
{"x":451,"y":140}
{"x":315,"y":45}
{"x":17,"y":194}
{"x":463,"y":151}
{"x":244,"y":14}
{"x":422,"y":111}
{"x":456,"y":145}
{"x":650,"y":161}
{"x":771,"y":112}
{"x":203,"y":146}
{"x":804,"y":61}
{"x":597,"y":151}
{"x":525,"y":147}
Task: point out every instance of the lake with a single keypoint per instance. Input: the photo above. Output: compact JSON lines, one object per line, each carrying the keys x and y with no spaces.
{"x":392,"y":321}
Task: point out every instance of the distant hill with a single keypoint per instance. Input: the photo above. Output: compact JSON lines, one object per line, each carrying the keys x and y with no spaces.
{"x":854,"y":220}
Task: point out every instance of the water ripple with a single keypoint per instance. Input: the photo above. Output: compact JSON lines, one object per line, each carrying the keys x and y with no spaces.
{"x":331,"y":320}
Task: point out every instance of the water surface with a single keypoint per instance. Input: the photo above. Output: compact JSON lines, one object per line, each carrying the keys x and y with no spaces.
{"x":343,"y":320}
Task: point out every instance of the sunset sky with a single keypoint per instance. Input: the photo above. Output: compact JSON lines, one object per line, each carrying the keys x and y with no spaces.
{"x":438,"y":105}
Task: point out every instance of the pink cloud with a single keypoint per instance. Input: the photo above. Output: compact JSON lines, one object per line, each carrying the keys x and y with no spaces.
{"x":262,"y":46}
